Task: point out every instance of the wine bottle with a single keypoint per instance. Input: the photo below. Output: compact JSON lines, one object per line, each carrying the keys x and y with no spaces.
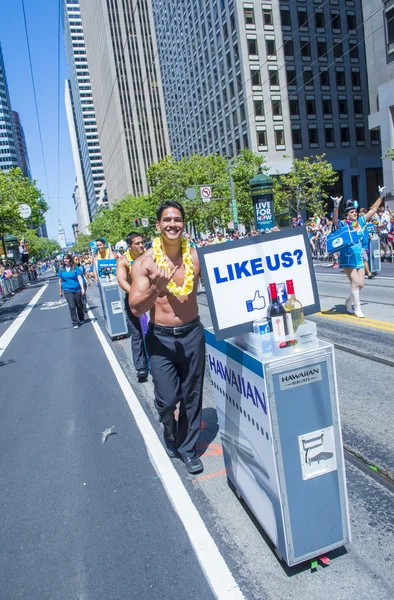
{"x":277,"y":315}
{"x":293,"y":308}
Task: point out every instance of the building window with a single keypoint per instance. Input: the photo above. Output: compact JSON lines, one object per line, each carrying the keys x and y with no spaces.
{"x":327,"y":107}
{"x":345,"y":135}
{"x":249,"y":16}
{"x":356,"y":79}
{"x":342,"y":107}
{"x":258,"y":108}
{"x":291,"y":76}
{"x":262,"y":138}
{"x":340,"y":79}
{"x":360,"y":135}
{"x":279,"y":138}
{"x":294,"y":107}
{"x":270,"y":47}
{"x":335,"y":22}
{"x":288,"y":48}
{"x":319,"y":20}
{"x":358,"y":106}
{"x":255,"y":76}
{"x":273,"y":77}
{"x":302,"y":16}
{"x":305,"y":49}
{"x":324,"y":79}
{"x":329,"y":135}
{"x":310,"y":107}
{"x":338,"y":49}
{"x":313,"y":136}
{"x":285,"y":18}
{"x":245,"y":140}
{"x":353,"y":50}
{"x":267,"y":16}
{"x":351,"y":22}
{"x":308,"y":78}
{"x":322,"y":49}
{"x":389,"y":14}
{"x":375,"y":137}
{"x":252,"y":47}
{"x":297,"y":137}
{"x":276,"y":108}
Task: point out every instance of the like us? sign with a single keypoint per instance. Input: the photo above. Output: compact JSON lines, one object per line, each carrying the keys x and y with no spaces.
{"x":237,"y":277}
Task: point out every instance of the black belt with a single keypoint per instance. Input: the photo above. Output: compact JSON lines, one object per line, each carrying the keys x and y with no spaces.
{"x":179,"y":331}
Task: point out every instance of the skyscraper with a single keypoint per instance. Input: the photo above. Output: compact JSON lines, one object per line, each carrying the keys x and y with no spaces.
{"x":20,"y":144}
{"x":9,"y":158}
{"x":81,"y":113}
{"x":286,"y":79}
{"x":126,"y":84}
{"x":61,"y":236}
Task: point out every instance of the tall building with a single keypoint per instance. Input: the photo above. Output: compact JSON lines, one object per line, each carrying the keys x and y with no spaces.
{"x":82,"y":117}
{"x":9,"y":157}
{"x":126,"y":84}
{"x":61,"y":236}
{"x":379,"y":42}
{"x":284,"y":78}
{"x":20,"y":144}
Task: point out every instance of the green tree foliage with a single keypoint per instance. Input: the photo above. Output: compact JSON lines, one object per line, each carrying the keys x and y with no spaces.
{"x":16,"y":189}
{"x":305,"y":186}
{"x":41,"y":248}
{"x":82,"y":244}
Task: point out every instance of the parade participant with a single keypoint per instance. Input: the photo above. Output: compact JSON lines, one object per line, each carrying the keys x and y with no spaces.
{"x":71,"y":285}
{"x":78,"y":263}
{"x":164,"y":281}
{"x":103,"y":253}
{"x":351,"y":257}
{"x":136,"y":249}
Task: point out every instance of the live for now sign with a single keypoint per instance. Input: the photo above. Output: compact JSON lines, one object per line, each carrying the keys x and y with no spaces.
{"x":237,"y":275}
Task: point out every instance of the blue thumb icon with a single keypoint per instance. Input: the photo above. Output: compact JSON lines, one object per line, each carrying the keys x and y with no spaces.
{"x":258,"y":302}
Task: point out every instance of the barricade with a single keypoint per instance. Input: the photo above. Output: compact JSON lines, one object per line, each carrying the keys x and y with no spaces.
{"x":10,"y":286}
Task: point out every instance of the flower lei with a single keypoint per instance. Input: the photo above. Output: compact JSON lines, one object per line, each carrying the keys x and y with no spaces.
{"x":107,"y":255}
{"x":129,"y":257}
{"x":354,"y":224}
{"x":161,"y":262}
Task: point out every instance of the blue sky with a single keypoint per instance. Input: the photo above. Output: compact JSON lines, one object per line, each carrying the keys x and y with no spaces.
{"x":42,"y":22}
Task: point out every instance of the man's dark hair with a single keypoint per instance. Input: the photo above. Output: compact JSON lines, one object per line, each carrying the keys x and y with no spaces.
{"x":132,"y":235}
{"x":170,"y":204}
{"x":102,"y":240}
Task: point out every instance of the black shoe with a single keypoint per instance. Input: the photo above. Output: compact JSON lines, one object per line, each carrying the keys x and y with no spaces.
{"x":142,"y":375}
{"x":170,"y":448}
{"x":193,"y":464}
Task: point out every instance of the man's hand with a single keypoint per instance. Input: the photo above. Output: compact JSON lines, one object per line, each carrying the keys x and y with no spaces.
{"x":161,"y":278}
{"x":381,"y":190}
{"x":336,"y":200}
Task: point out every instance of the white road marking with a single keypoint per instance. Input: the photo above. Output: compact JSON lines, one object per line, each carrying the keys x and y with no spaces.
{"x":7,"y":336}
{"x":212,"y":562}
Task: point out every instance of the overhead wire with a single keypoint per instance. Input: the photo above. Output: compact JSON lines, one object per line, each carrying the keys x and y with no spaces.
{"x":58,"y":105}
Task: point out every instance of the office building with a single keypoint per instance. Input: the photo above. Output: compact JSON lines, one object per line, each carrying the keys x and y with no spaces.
{"x":126,"y":84}
{"x":9,"y":158}
{"x":284,"y":78}
{"x":379,"y":43}
{"x":75,"y":229}
{"x":61,"y":236}
{"x":20,"y":145}
{"x":82,"y":117}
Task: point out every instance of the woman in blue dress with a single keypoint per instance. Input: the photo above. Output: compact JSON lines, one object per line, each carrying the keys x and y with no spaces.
{"x":351,"y":257}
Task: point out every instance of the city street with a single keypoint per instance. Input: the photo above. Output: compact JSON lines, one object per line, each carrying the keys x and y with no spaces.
{"x":83,"y":519}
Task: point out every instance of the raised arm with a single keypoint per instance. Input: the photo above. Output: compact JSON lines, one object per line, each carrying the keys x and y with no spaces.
{"x":122,"y":269}
{"x":337,"y":201}
{"x":146,"y":286}
{"x":373,"y":209}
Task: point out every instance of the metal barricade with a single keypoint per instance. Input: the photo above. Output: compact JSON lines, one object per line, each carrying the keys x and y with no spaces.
{"x":10,"y":286}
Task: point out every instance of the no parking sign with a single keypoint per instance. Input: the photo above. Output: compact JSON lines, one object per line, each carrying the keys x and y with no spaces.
{"x":206,"y":193}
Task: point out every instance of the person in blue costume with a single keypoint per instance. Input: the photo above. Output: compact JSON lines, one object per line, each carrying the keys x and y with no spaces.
{"x":351,"y":257}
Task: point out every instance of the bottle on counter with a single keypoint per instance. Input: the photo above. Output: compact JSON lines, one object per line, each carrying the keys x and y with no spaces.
{"x":277,"y":316}
{"x":294,"y":309}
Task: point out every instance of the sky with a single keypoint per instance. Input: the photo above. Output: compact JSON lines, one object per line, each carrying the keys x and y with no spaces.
{"x":42,"y":23}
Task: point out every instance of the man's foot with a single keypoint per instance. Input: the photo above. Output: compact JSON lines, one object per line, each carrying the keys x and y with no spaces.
{"x":349,"y":306}
{"x":76,"y":326}
{"x":359,"y":313}
{"x":142,"y":375}
{"x":193,"y":464}
{"x":170,"y":448}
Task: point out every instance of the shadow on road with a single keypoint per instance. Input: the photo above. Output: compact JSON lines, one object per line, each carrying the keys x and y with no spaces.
{"x":209,"y":429}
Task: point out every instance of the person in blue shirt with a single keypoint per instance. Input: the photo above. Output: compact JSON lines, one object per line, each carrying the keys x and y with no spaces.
{"x":351,"y":257}
{"x":71,"y":286}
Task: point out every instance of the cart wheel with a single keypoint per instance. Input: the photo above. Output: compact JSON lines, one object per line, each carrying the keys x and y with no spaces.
{"x":278,"y":554}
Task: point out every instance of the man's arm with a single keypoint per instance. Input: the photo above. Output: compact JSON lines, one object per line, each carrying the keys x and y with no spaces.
{"x":122,"y":268}
{"x":373,"y":209}
{"x":146,"y":287}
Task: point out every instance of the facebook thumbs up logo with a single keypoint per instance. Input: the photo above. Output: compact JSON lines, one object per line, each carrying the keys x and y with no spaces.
{"x":258,"y":302}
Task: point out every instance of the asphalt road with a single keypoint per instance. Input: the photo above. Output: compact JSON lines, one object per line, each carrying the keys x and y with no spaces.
{"x":63,"y":539}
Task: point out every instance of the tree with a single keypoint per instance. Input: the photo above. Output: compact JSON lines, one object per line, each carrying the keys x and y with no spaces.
{"x":305,"y":186}
{"x":40,"y":248}
{"x":16,"y":189}
{"x":82,"y":244}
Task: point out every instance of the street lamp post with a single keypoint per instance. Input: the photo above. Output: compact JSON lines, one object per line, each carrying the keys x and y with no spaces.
{"x":232,"y":194}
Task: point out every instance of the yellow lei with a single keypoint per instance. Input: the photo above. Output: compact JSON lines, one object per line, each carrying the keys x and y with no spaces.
{"x":161,"y":262}
{"x":129,"y":257}
{"x":107,"y":255}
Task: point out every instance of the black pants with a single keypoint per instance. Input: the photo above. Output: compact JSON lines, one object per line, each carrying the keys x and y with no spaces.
{"x":137,"y":340}
{"x":177,"y":365}
{"x":74,"y":301}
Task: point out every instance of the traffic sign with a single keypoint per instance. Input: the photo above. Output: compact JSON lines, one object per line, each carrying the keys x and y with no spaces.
{"x":191,"y":193}
{"x":24,"y":211}
{"x":145,"y":222}
{"x":206,"y":193}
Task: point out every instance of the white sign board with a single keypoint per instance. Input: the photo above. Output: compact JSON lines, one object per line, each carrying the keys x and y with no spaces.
{"x":24,"y":211}
{"x":237,"y":275}
{"x":145,"y":222}
{"x":206,"y":193}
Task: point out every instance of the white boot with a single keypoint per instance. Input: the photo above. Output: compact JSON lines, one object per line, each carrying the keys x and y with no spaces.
{"x":349,"y":303}
{"x":357,"y":306}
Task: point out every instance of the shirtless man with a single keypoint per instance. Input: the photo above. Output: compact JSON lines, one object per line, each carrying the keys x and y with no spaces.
{"x":123,"y":273}
{"x":175,"y":339}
